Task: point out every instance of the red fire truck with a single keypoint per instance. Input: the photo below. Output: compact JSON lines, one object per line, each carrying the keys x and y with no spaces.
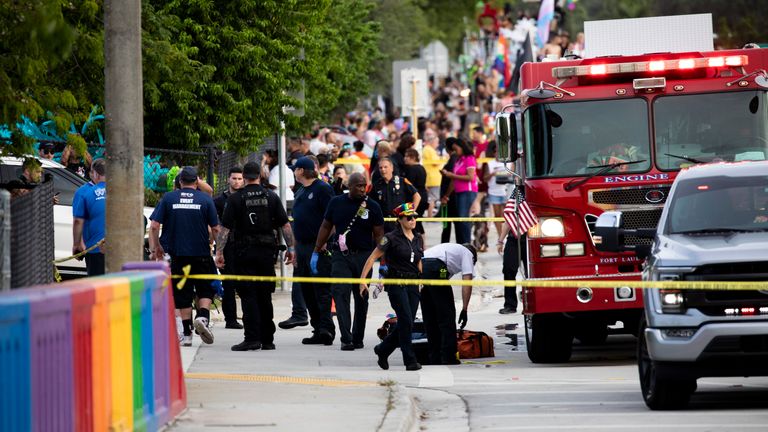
{"x":611,"y":133}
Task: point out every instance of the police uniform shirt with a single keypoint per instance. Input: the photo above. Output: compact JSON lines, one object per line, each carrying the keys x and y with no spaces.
{"x":457,"y":258}
{"x":308,"y":204}
{"x":402,"y":255}
{"x":220,"y":202}
{"x":254,"y":210}
{"x":341,"y":209}
{"x":186,"y":215}
{"x":390,"y":195}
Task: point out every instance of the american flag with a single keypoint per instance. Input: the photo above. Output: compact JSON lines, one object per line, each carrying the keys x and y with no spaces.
{"x":526,"y":218}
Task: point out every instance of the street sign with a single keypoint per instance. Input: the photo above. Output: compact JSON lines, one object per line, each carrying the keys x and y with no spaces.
{"x":414,"y":92}
{"x":397,"y":66}
{"x":436,"y":56}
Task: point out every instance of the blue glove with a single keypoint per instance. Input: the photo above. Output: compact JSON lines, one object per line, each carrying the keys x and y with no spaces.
{"x":313,"y":262}
{"x":383,"y":269}
{"x":216,"y":284}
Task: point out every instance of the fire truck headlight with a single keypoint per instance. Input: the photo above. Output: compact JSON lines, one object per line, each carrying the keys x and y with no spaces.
{"x":552,"y":227}
{"x":574,"y":249}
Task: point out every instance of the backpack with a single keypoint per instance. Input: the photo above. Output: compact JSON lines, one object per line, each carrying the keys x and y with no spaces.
{"x":473,"y":344}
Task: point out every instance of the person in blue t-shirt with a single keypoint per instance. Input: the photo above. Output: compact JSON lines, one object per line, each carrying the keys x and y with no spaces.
{"x":308,"y":203}
{"x":89,"y":211}
{"x":359,"y":223}
{"x":186,"y":216}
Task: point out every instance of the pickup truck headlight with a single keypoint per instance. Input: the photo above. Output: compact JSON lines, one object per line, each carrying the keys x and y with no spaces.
{"x":672,"y":300}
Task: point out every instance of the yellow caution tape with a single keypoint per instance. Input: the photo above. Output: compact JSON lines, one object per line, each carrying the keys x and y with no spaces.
{"x":453,"y":219}
{"x":57,"y":275}
{"x":489,"y":362}
{"x":538,"y":283}
{"x":350,"y":161}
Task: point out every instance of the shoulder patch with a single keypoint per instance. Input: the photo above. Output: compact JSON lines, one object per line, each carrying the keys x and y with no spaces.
{"x":384,"y":241}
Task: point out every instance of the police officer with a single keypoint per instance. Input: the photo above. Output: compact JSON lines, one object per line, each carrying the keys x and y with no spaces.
{"x":254,"y":213}
{"x":228,"y":301}
{"x":403,"y":249}
{"x":514,"y":250}
{"x":309,"y":202}
{"x":186,"y":215}
{"x":359,"y":223}
{"x":443,"y":261}
{"x":391,"y":190}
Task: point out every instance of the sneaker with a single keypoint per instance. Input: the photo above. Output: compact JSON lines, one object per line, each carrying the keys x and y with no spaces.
{"x":292,"y":322}
{"x":186,"y":340}
{"x":201,"y":327}
{"x":347,"y":347}
{"x":413,"y":367}
{"x":234,"y":325}
{"x":506,"y":310}
{"x":382,"y":360}
{"x":247,"y":346}
{"x":267,"y":346}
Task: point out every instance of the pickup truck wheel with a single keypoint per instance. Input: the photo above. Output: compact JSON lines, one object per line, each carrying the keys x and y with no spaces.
{"x":660,"y":393}
{"x":548,"y":338}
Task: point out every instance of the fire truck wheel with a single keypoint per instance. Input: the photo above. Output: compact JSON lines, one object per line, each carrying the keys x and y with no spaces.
{"x":660,"y":393}
{"x":549,"y":338}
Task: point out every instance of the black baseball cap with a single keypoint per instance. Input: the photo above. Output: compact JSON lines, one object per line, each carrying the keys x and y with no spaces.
{"x":251,"y":170}
{"x":188,"y":174}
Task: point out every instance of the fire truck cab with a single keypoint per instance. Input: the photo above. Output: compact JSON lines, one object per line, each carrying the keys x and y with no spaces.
{"x":611,"y":133}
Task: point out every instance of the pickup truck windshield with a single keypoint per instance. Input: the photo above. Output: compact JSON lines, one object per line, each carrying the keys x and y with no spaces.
{"x":718,"y":205}
{"x":579,"y":138}
{"x":712,"y":127}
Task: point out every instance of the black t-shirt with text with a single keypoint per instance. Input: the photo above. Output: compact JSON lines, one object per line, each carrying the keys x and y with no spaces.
{"x":402,"y":255}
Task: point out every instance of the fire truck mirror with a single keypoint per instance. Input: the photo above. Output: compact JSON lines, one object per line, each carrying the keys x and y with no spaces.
{"x":506,"y":135}
{"x":609,"y":232}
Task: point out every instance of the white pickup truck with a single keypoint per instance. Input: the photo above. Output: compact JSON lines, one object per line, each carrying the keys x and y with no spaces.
{"x":65,"y":183}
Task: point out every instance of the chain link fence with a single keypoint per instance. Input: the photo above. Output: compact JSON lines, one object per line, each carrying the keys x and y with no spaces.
{"x":32,"y":237}
{"x":5,"y":240}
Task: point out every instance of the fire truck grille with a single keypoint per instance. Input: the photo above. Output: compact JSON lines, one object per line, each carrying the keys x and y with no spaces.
{"x":652,"y":195}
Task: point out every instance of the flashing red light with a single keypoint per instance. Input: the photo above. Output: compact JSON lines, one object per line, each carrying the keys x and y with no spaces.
{"x":702,"y":187}
{"x":656,"y":66}
{"x":686,"y":64}
{"x":716,"y":62}
{"x":748,"y":311}
{"x":733,"y":61}
{"x":598,"y":70}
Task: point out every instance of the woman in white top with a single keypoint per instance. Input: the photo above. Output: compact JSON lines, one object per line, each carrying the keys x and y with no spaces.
{"x":497,"y":193}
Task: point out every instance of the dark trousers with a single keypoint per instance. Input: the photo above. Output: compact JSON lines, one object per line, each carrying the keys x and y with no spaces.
{"x":405,"y":301}
{"x":349,"y":266}
{"x":94,"y":264}
{"x":439,"y":313}
{"x":510,"y":266}
{"x":317,"y":296}
{"x":256,"y":297}
{"x":228,"y":301}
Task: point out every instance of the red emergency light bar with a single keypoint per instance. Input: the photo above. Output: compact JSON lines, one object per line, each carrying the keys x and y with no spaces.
{"x":649,"y":66}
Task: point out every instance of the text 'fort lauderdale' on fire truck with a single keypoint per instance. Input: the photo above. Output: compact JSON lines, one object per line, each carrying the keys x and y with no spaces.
{"x":611,"y":133}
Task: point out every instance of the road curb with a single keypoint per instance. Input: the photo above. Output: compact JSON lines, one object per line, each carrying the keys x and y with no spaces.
{"x":403,"y":417}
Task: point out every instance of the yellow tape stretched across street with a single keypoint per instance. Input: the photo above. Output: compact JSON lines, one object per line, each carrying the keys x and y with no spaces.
{"x":574,"y":283}
{"x":447,"y":219}
{"x":351,"y":161}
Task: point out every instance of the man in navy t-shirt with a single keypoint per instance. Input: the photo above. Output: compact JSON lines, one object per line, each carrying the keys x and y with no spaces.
{"x":309,"y":203}
{"x":186,"y":216}
{"x":89,"y":210}
{"x":359,"y":222}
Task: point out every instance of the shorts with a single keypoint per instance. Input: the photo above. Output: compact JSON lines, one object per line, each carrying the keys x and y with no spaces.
{"x":434,"y":193}
{"x":201,"y":288}
{"x":497,"y":199}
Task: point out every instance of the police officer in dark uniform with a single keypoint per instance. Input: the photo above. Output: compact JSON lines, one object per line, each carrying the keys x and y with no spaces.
{"x":359,"y":223}
{"x":186,"y":215}
{"x":391,"y":190}
{"x":403,"y":249}
{"x":309,"y":203}
{"x":228,"y":301}
{"x":254,"y":213}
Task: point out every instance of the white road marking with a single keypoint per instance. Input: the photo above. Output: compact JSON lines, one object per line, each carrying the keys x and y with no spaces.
{"x":534,"y":392}
{"x":675,"y":414}
{"x":627,"y":427}
{"x":435,"y":376}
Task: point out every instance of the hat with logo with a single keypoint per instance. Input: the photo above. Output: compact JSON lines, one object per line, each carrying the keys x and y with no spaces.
{"x":188,"y":174}
{"x":405,"y":209}
{"x":251,"y":170}
{"x":305,"y":163}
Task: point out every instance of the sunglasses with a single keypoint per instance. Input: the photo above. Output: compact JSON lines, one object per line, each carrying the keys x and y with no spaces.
{"x":46,"y":151}
{"x":409,"y":218}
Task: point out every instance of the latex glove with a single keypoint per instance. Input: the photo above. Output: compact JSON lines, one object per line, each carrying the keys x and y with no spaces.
{"x":313,"y":262}
{"x":217,"y":285}
{"x":463,"y":319}
{"x":383,"y":270}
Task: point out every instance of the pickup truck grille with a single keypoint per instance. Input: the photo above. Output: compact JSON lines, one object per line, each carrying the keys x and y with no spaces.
{"x":715,"y":302}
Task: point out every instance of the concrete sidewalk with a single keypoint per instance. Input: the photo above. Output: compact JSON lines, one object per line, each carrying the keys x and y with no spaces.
{"x":317,"y":388}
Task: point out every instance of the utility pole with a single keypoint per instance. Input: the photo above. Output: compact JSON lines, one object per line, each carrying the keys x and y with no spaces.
{"x":124,"y":109}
